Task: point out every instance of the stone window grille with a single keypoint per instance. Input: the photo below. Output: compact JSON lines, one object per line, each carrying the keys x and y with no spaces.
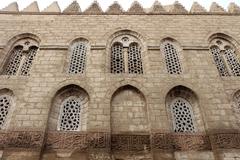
{"x":237,"y":102}
{"x":69,"y":119}
{"x":21,"y":58}
{"x":225,"y":58}
{"x":126,"y":56}
{"x":222,"y":69}
{"x":182,"y":115}
{"x":172,"y":59}
{"x":5,"y":104}
{"x":117,"y":59}
{"x":134,"y":59}
{"x":78,"y":58}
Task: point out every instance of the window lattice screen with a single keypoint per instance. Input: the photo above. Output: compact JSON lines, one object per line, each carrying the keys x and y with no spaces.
{"x":172,"y":60}
{"x":126,"y":55}
{"x":26,"y":67}
{"x":14,"y":61}
{"x":117,"y":59}
{"x":232,"y":61}
{"x":20,"y":61}
{"x":182,"y":116}
{"x":70,"y":115}
{"x":78,"y":58}
{"x":134,"y":59}
{"x":5,"y":104}
{"x":219,"y":61}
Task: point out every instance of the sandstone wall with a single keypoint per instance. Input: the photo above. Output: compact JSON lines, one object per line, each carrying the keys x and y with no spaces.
{"x":34,"y":94}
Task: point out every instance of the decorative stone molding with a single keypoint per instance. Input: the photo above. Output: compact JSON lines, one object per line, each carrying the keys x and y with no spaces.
{"x":13,"y":7}
{"x":225,"y":141}
{"x":54,"y":7}
{"x":136,"y":8}
{"x":127,"y":142}
{"x":121,"y":142}
{"x":94,"y":8}
{"x":64,"y":140}
{"x":73,"y":8}
{"x":177,"y":8}
{"x":157,"y":8}
{"x":233,"y":8}
{"x":83,"y":141}
{"x":180,"y":142}
{"x":185,"y":142}
{"x":77,"y":140}
{"x":216,"y":8}
{"x":21,"y":139}
{"x":197,"y":8}
{"x":3,"y":139}
{"x":33,"y":7}
{"x":115,"y":9}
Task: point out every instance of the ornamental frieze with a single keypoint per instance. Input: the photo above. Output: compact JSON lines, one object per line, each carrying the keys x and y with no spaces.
{"x":84,"y":141}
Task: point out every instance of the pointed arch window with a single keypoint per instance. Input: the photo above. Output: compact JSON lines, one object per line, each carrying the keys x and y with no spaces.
{"x":171,"y":57}
{"x":225,"y":57}
{"x":126,"y":56}
{"x":69,"y":119}
{"x":21,"y":58}
{"x":78,"y":57}
{"x":182,"y":115}
{"x":69,"y":109}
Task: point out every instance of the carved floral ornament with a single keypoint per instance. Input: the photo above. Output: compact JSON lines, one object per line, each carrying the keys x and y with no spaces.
{"x":99,"y":140}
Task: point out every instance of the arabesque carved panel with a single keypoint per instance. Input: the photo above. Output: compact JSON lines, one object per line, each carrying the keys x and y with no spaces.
{"x":225,"y":141}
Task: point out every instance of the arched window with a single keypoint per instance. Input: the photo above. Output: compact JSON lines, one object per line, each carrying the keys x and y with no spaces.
{"x":171,"y":58}
{"x":184,"y":111}
{"x":5,"y":105}
{"x":78,"y":57}
{"x":126,"y":55}
{"x":69,"y":109}
{"x":21,"y":57}
{"x":69,"y":119}
{"x":182,"y":115}
{"x":225,"y":58}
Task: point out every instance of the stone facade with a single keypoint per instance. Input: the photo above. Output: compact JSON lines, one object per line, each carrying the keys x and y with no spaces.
{"x":145,"y":84}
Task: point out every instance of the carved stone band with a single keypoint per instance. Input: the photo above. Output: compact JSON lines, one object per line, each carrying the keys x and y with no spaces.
{"x":118,"y":142}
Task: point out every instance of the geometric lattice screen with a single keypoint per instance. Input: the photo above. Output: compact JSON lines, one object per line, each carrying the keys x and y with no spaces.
{"x":126,"y":56}
{"x":182,"y":115}
{"x":225,"y":57}
{"x":172,"y":60}
{"x":78,"y":58}
{"x":21,"y":59}
{"x":70,"y":115}
{"x":5,"y":104}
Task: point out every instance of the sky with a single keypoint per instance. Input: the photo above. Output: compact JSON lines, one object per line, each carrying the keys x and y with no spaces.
{"x":124,"y":3}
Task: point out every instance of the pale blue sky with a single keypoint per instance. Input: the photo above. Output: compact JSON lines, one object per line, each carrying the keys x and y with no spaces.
{"x":125,"y":3}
